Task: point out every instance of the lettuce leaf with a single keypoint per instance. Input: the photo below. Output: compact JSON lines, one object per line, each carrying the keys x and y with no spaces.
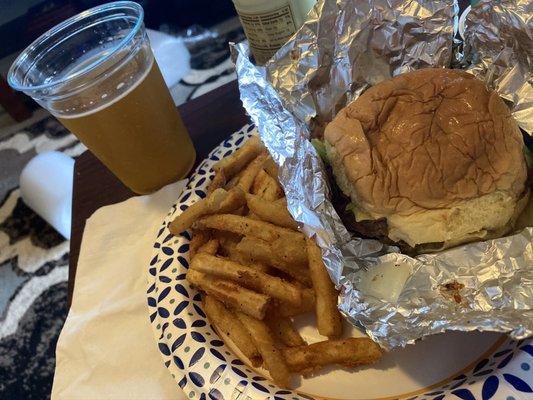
{"x":351,"y":207}
{"x":320,"y":148}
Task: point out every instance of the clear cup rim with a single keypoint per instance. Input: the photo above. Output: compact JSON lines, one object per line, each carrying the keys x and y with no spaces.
{"x":14,"y":83}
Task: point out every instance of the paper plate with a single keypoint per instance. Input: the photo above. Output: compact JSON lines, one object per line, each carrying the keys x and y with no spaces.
{"x":454,"y":365}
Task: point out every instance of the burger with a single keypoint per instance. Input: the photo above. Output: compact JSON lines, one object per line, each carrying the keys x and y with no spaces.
{"x":428,"y":160}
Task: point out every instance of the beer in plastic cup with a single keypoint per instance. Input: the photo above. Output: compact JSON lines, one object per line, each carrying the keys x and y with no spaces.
{"x":97,"y":74}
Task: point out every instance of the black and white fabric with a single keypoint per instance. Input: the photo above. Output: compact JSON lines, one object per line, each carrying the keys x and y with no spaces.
{"x":34,"y":257}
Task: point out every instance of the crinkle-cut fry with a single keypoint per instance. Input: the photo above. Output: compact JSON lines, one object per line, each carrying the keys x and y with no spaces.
{"x":270,"y":212}
{"x":231,"y":294}
{"x":228,"y":323}
{"x":219,"y":201}
{"x":211,"y":247}
{"x":250,"y":172}
{"x":277,"y":256}
{"x":240,"y":158}
{"x":250,"y":227}
{"x":271,"y":168}
{"x":272,"y":356}
{"x":199,"y":238}
{"x":349,"y":352}
{"x":328,"y":316}
{"x":308,"y":305}
{"x":266,"y":187}
{"x":219,"y":181}
{"x":247,"y":277}
{"x":283,"y":329}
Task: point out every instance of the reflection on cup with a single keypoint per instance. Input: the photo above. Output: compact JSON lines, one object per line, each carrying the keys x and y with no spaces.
{"x":96,"y":73}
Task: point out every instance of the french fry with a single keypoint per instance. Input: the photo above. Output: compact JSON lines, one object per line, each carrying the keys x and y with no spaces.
{"x":271,"y":168}
{"x":199,"y":238}
{"x":250,"y":227}
{"x":231,"y":294}
{"x":266,"y":187}
{"x":272,"y":356}
{"x":229,"y":250}
{"x":250,"y":172}
{"x":238,"y":160}
{"x":232,"y":182}
{"x":247,"y":277}
{"x":184,"y":221}
{"x":270,"y":212}
{"x":283,"y":329}
{"x":308,"y":305}
{"x":260,"y":181}
{"x":329,"y":319}
{"x":234,"y":200}
{"x":225,"y":320}
{"x":211,"y":247}
{"x":293,"y":252}
{"x":257,"y":250}
{"x":219,"y":181}
{"x":349,"y":352}
{"x":219,"y":201}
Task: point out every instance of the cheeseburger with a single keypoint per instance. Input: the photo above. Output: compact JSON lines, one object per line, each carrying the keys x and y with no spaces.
{"x":428,"y":160}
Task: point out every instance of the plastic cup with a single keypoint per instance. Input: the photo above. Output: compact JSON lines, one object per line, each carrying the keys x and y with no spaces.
{"x":96,"y":73}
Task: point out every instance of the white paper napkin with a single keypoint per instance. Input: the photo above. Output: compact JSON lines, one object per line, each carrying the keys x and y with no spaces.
{"x":106,"y":349}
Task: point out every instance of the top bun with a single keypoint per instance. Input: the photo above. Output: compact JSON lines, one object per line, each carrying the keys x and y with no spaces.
{"x":434,"y":152}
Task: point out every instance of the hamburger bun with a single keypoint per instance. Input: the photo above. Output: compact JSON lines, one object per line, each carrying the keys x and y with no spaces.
{"x":434,"y":153}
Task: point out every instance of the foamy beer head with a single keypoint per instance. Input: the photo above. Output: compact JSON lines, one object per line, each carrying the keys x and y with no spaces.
{"x":99,"y":58}
{"x":96,"y":73}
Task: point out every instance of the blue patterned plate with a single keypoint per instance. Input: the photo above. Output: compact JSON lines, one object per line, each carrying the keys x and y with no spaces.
{"x":454,"y":365}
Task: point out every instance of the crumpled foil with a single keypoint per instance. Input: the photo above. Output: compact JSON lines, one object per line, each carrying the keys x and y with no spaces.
{"x":344,"y":47}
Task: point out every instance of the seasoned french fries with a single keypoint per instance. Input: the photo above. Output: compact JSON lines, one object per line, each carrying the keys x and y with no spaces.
{"x":239,"y":159}
{"x":231,"y":294}
{"x":273,"y":359}
{"x":248,"y":175}
{"x":271,"y":168}
{"x":266,"y":187}
{"x":219,"y":181}
{"x":225,"y":320}
{"x":349,"y":352}
{"x":329,"y":319}
{"x":256,"y":250}
{"x":247,"y":277}
{"x":219,"y":201}
{"x":250,"y":227}
{"x":308,"y":305}
{"x":283,"y":329}
{"x":199,"y":238}
{"x":257,"y":271}
{"x":270,"y":212}
{"x":210,"y":247}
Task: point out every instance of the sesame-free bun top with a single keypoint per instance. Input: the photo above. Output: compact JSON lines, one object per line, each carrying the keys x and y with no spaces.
{"x":434,"y":152}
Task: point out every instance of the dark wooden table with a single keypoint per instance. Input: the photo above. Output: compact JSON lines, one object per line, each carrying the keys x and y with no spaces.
{"x":209,"y":119}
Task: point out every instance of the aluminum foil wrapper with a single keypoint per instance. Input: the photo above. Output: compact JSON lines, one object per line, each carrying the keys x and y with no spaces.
{"x":344,"y":47}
